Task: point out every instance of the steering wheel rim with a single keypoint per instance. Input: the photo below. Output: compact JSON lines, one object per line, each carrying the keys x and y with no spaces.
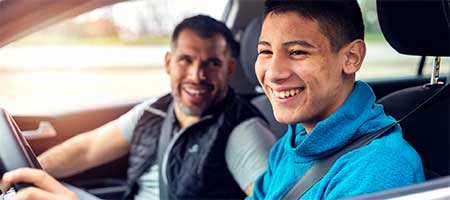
{"x":15,"y":152}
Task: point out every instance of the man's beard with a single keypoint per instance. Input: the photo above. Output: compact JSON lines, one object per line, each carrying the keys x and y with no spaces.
{"x":196,"y":111}
{"x":192,"y":111}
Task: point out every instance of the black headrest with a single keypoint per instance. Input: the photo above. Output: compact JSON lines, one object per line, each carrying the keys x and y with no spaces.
{"x":418,"y":27}
{"x":249,"y":42}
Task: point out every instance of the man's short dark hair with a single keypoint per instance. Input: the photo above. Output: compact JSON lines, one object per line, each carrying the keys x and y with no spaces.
{"x":339,"y":20}
{"x":207,"y":27}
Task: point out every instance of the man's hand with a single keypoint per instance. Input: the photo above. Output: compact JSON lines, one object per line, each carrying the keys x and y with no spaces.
{"x":46,"y":186}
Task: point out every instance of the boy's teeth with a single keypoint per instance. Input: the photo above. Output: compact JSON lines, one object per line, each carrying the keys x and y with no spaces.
{"x":286,"y":93}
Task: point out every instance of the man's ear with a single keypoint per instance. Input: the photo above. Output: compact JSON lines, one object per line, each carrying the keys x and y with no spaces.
{"x":167,"y":58}
{"x":354,"y":56}
{"x":231,"y":68}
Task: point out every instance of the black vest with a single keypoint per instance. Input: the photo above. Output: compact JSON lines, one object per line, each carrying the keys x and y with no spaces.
{"x":202,"y":174}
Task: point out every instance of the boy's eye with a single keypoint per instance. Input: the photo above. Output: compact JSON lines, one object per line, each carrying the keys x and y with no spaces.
{"x":264,"y":52}
{"x":297,"y":52}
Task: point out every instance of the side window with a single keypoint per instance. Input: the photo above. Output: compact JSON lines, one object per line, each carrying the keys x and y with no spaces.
{"x":109,"y":55}
{"x":381,"y":60}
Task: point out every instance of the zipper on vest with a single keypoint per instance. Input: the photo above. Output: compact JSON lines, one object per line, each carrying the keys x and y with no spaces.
{"x":172,"y":143}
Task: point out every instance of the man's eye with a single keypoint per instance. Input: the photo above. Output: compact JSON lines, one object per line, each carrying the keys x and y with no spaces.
{"x":215,"y":63}
{"x":184,"y":60}
{"x":264,"y":52}
{"x":297,"y":52}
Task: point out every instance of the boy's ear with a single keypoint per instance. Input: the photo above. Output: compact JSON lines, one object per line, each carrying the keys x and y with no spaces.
{"x":354,"y":56}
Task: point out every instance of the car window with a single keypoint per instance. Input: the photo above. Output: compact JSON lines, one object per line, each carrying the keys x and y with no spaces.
{"x":112,"y":54}
{"x":381,"y":60}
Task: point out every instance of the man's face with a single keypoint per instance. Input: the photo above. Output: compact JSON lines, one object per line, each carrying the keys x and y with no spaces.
{"x":298,"y":70}
{"x":199,"y":69}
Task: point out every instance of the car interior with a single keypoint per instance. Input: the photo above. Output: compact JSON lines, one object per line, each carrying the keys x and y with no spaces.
{"x":423,"y":109}
{"x":427,"y":129}
{"x":415,"y":106}
{"x":423,"y":99}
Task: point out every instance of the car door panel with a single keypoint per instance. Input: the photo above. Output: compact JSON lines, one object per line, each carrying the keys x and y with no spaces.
{"x":69,"y":124}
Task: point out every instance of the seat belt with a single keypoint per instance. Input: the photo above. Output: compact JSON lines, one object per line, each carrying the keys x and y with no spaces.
{"x":164,"y":139}
{"x":322,"y":166}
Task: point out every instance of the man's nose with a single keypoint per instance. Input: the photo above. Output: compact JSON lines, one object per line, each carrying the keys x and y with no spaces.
{"x":197,"y":72}
{"x":278,"y":69}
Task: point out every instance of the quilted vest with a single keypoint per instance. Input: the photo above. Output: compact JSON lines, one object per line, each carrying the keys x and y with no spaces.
{"x":196,"y":166}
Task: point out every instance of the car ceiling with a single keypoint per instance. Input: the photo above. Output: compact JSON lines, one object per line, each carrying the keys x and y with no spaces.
{"x":19,"y":18}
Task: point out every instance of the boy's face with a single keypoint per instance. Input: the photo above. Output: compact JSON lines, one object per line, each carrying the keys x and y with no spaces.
{"x":298,"y":70}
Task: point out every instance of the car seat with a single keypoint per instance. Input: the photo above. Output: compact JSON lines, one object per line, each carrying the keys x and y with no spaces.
{"x":421,"y":28}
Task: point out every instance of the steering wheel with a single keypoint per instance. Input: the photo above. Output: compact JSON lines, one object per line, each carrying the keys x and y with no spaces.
{"x":15,"y":152}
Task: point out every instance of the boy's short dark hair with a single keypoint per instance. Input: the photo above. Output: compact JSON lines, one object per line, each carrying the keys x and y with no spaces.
{"x":207,"y":27}
{"x":339,"y":20}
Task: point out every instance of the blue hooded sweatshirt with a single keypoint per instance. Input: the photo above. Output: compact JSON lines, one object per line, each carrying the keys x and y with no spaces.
{"x":387,"y":162}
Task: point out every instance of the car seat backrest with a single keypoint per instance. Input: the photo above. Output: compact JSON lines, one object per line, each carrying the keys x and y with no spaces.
{"x":241,"y":84}
{"x":427,"y":130}
{"x":249,"y":41}
{"x":420,"y":28}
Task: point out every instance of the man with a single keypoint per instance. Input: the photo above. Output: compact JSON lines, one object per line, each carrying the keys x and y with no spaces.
{"x":308,"y":54}
{"x":217,"y":143}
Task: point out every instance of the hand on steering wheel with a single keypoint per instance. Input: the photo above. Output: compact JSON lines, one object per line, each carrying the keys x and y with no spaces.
{"x":17,"y":161}
{"x":46,"y":186}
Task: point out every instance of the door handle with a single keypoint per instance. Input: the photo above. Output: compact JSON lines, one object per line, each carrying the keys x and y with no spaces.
{"x":45,"y":130}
